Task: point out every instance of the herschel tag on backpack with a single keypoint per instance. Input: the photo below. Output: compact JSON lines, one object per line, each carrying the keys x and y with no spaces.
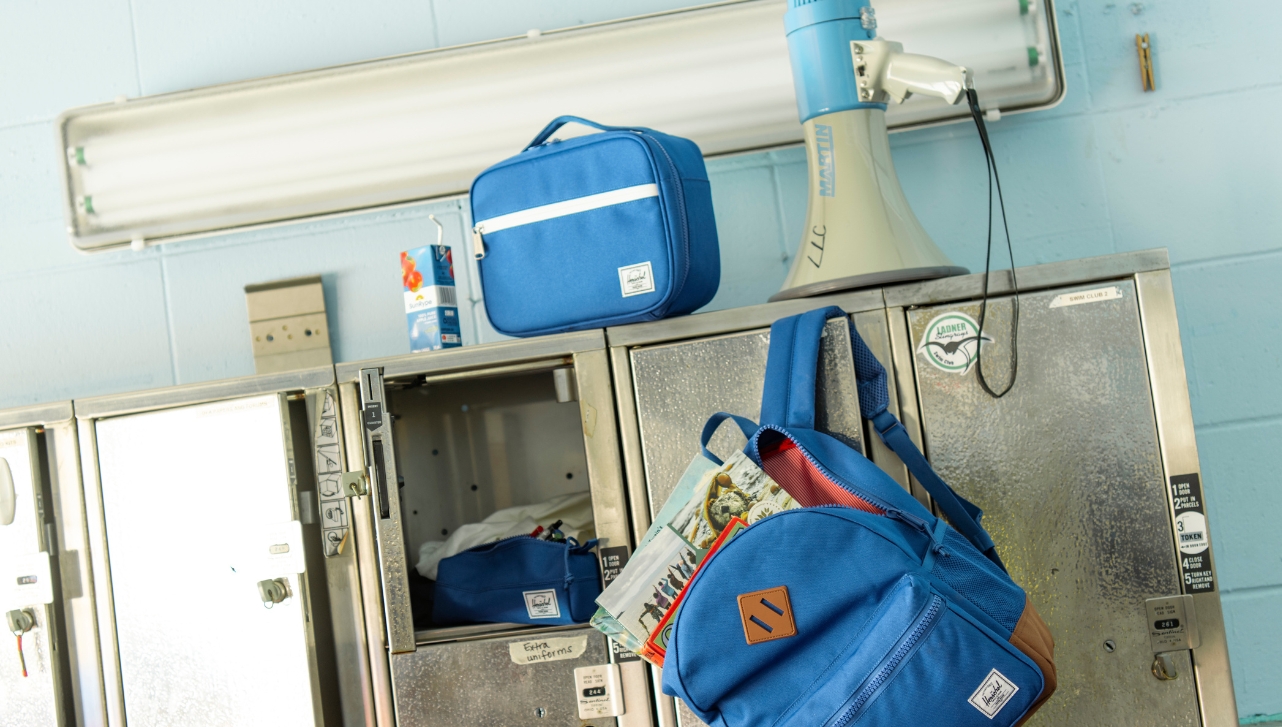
{"x":863,"y":608}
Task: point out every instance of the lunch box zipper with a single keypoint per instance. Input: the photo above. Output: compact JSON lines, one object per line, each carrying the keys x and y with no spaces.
{"x":565,"y":208}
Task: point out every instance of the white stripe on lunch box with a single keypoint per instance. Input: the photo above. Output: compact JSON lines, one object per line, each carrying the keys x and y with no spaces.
{"x":560,"y":209}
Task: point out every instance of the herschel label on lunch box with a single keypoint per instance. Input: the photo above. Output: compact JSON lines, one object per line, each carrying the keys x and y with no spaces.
{"x":636,"y":279}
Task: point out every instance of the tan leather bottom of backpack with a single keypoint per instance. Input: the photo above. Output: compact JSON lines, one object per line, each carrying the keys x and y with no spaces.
{"x":1032,"y":637}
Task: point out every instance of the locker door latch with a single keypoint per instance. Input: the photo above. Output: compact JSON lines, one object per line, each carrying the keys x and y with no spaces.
{"x":355,"y":484}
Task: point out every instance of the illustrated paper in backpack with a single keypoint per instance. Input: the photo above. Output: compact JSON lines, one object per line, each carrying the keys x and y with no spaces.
{"x":707,"y":499}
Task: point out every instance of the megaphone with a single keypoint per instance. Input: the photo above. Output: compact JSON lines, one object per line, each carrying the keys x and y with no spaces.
{"x":860,"y":231}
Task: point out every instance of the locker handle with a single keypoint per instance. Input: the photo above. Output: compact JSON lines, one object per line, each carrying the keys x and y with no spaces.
{"x":8,"y":496}
{"x":380,"y":480}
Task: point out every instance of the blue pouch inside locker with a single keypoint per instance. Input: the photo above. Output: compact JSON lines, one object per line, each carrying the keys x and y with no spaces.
{"x":518,"y":580}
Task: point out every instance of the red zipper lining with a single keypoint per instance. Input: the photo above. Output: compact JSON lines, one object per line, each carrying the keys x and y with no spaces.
{"x":788,"y":466}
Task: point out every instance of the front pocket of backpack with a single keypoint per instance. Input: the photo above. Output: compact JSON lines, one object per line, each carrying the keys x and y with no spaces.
{"x":833,"y":690}
{"x":946,"y":669}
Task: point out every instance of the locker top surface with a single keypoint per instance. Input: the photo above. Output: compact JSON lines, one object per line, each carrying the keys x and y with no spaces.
{"x":478,"y":356}
{"x":29,"y":416}
{"x":940,"y":290}
{"x":733,"y":320}
{"x":1033,"y":277}
{"x":136,"y":401}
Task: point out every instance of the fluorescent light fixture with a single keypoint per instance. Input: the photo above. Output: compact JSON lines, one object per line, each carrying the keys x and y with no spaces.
{"x":419,"y":126}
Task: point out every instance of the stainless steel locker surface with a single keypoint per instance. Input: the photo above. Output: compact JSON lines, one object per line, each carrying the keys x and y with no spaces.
{"x":1068,"y":471}
{"x":679,"y":385}
{"x":31,"y":701}
{"x":451,"y":684}
{"x":183,"y":491}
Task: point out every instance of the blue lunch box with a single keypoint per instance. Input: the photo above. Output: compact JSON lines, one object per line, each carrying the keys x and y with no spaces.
{"x":595,"y":231}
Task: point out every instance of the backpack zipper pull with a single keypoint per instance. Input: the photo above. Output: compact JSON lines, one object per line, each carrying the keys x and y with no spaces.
{"x":478,"y":244}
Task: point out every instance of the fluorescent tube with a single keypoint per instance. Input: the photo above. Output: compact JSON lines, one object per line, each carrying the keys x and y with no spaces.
{"x":423,"y":125}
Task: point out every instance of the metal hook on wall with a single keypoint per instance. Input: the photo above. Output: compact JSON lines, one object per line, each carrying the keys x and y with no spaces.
{"x":1145,"y":49}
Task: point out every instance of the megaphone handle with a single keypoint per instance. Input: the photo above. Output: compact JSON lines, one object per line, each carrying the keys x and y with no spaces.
{"x":909,"y":73}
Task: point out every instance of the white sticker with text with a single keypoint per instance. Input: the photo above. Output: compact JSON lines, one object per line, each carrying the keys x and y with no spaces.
{"x":541,"y":650}
{"x":1086,"y":296}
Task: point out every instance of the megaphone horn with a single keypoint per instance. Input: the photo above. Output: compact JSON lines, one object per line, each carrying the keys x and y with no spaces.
{"x":860,"y":231}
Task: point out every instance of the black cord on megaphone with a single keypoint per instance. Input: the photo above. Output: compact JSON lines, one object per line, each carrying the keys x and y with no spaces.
{"x":994,"y":180}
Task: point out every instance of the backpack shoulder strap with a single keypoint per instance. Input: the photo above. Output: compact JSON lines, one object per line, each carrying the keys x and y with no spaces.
{"x":789,"y":401}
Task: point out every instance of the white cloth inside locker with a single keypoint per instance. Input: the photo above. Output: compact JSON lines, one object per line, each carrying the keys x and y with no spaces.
{"x":573,"y":510}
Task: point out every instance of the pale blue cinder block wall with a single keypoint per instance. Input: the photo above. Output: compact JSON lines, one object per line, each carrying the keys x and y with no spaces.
{"x":1193,"y":167}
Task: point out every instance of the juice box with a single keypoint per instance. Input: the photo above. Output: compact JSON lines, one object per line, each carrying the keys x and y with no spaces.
{"x":431,"y":305}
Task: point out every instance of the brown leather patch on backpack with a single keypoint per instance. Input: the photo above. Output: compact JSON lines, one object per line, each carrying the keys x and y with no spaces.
{"x":1034,"y":638}
{"x":767,"y":615}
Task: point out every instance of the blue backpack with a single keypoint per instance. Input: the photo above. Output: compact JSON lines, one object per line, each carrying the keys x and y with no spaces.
{"x":862,"y":608}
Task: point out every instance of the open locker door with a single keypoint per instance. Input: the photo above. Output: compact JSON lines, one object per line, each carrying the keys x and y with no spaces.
{"x":31,"y":677}
{"x":382,"y":478}
{"x":214,"y":604}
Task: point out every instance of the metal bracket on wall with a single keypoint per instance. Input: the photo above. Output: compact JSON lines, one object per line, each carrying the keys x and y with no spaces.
{"x":287,"y":324}
{"x":1145,"y":50}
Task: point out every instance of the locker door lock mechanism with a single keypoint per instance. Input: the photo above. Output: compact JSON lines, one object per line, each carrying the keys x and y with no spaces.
{"x":21,"y":621}
{"x":1164,"y":667}
{"x":273,"y":591}
{"x":355,"y":484}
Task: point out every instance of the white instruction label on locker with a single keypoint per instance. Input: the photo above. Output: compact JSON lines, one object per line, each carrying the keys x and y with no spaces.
{"x":329,"y":473}
{"x":598,"y":690}
{"x":27,"y":581}
{"x":541,"y":650}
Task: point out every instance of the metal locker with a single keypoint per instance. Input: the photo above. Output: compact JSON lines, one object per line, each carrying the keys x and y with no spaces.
{"x":672,"y":375}
{"x":441,"y":439}
{"x":216,"y":605}
{"x":1086,"y":470}
{"x":41,"y":593}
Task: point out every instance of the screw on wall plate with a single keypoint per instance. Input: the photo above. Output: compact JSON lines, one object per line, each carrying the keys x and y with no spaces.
{"x":1109,"y":646}
{"x":540,"y":712}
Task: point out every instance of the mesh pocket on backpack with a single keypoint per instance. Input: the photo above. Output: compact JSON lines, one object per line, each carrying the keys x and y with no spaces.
{"x":979,"y":581}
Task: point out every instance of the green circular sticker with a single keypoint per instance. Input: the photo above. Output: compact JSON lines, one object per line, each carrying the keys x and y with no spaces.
{"x":951,"y":342}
